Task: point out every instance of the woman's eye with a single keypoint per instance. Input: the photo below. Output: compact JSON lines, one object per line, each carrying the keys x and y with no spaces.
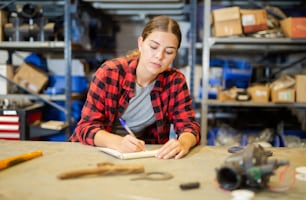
{"x":169,"y":52}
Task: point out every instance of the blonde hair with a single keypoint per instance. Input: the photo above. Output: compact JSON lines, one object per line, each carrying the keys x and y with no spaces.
{"x":159,"y":23}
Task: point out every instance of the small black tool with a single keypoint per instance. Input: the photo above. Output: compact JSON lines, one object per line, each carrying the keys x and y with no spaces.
{"x":190,"y":185}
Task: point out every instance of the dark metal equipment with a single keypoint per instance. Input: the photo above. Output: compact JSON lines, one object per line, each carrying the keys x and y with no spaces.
{"x":248,"y":167}
{"x":28,"y":23}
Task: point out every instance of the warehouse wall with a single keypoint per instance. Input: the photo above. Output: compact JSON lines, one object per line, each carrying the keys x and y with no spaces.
{"x":17,"y":57}
{"x":126,"y":38}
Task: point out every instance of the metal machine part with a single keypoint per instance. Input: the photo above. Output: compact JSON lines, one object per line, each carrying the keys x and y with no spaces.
{"x":248,"y":167}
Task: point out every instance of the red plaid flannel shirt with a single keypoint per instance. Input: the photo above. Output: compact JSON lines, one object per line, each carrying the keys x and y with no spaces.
{"x":113,"y":86}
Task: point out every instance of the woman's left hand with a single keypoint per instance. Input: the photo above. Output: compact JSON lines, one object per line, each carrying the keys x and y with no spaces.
{"x":172,"y":149}
{"x":177,"y":148}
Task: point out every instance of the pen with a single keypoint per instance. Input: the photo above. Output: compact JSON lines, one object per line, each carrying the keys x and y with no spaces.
{"x":126,"y":127}
{"x":14,"y":160}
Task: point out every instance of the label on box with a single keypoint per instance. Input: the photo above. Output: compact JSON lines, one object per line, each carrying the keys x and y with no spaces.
{"x":284,"y":95}
{"x":28,"y":85}
{"x":248,"y":20}
{"x":261,"y":93}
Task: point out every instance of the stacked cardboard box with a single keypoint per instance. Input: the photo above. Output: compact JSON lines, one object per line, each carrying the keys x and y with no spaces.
{"x":227,"y":22}
{"x":283,"y":96}
{"x":294,"y":27}
{"x":232,"y":21}
{"x":259,"y":93}
{"x":253,"y":20}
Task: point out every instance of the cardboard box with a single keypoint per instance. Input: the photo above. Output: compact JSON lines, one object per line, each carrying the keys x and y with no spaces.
{"x":7,"y":71}
{"x":227,"y":22}
{"x":3,"y":20}
{"x":31,"y":78}
{"x":227,"y":95}
{"x":253,"y":20}
{"x":283,"y":96}
{"x":294,"y":27}
{"x":300,"y":87}
{"x":259,"y":93}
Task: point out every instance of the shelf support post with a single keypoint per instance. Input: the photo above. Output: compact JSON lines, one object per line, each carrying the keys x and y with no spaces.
{"x":67,"y":57}
{"x":192,"y":49}
{"x":205,"y":71}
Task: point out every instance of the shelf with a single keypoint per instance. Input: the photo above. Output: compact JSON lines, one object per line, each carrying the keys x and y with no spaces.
{"x":256,"y":41}
{"x":255,"y":44}
{"x":137,"y":10}
{"x":253,"y":104}
{"x":24,"y":45}
{"x":58,"y":97}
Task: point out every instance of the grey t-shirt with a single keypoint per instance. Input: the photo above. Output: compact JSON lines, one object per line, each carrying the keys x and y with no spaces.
{"x":139,"y":114}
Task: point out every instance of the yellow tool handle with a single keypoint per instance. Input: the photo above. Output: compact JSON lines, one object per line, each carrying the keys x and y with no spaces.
{"x":11,"y":161}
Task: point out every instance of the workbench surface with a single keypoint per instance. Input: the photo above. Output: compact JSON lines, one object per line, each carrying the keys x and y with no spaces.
{"x":37,"y":178}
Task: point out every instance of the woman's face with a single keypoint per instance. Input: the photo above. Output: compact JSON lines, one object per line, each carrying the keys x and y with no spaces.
{"x":157,"y":51}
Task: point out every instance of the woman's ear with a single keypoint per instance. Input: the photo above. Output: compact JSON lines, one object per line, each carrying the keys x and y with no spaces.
{"x":140,"y":40}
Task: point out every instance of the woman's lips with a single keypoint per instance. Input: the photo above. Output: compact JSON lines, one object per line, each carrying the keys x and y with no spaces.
{"x":156,"y":64}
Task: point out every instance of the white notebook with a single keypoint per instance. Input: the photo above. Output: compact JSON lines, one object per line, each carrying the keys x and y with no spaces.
{"x":125,"y":156}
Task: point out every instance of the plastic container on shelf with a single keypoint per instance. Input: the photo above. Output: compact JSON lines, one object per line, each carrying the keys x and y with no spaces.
{"x":57,"y":84}
{"x":236,"y":73}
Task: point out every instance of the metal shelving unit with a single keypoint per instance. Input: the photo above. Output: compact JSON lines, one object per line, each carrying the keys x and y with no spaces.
{"x":51,"y":7}
{"x":120,"y":10}
{"x":210,"y":44}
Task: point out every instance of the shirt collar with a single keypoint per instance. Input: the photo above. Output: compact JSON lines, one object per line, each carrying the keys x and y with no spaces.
{"x":129,"y":83}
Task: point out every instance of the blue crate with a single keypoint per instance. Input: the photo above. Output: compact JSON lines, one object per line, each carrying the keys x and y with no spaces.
{"x":57,"y":84}
{"x":299,"y":133}
{"x":236,"y":73}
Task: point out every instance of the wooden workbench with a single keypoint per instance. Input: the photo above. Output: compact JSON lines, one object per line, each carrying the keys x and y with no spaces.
{"x":37,"y":178}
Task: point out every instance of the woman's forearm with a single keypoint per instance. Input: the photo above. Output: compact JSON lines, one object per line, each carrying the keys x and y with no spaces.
{"x":104,"y":138}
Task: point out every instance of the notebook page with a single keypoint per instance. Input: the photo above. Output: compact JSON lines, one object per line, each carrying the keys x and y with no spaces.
{"x":125,"y":156}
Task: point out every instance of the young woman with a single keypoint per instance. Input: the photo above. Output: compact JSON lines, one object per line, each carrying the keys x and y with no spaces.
{"x":147,"y":93}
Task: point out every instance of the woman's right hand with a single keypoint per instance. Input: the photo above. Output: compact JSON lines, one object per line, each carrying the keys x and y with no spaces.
{"x":130,"y":143}
{"x":125,"y":144}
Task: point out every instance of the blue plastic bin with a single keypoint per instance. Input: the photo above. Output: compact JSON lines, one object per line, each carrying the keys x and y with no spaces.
{"x":236,"y":73}
{"x":57,"y":84}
